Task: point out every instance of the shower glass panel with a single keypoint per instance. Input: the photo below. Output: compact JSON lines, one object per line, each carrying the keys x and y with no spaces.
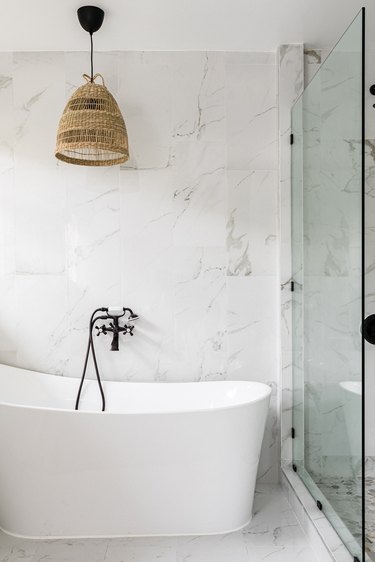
{"x":327,"y":243}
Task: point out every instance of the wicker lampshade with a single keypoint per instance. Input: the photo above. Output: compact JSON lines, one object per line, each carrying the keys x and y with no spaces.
{"x":92,"y":131}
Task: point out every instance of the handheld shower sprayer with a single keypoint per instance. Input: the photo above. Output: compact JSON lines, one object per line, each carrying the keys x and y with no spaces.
{"x":113,"y":313}
{"x":120,"y":311}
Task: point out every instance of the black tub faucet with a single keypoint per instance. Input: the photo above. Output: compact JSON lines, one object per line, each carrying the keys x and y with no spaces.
{"x":114,"y":314}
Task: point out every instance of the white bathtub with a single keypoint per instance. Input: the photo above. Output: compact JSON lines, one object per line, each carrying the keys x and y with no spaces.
{"x":164,"y":459}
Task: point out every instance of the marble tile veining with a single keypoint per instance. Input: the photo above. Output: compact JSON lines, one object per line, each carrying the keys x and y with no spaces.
{"x":274,"y":534}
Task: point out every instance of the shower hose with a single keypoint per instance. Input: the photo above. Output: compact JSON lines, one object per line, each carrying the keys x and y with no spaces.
{"x":90,"y":345}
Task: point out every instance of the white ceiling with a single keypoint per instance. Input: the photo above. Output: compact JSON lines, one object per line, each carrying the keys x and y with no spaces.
{"x":234,"y":25}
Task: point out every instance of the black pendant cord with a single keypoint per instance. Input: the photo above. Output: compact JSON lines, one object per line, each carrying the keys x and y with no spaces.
{"x":92,"y":58}
{"x":91,"y":19}
{"x":90,"y":345}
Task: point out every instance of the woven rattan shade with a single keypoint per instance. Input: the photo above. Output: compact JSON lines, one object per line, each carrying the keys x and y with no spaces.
{"x":92,"y":131}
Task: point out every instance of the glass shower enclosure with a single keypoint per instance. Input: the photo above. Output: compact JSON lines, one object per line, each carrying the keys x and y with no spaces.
{"x":328,"y":287}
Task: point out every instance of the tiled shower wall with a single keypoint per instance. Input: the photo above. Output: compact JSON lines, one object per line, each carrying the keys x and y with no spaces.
{"x":186,"y":233}
{"x":313,"y":60}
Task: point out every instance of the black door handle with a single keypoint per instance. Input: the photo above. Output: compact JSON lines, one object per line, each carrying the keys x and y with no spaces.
{"x":368,"y":329}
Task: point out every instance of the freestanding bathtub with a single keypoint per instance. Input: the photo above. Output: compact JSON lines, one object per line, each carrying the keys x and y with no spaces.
{"x":164,"y":459}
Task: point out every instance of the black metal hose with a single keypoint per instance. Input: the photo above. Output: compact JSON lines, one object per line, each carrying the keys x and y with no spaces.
{"x":90,"y":345}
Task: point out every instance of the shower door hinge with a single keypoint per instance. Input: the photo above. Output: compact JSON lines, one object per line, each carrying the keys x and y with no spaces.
{"x":294,"y":467}
{"x":293,"y":433}
{"x":292,"y":286}
{"x":291,"y":138}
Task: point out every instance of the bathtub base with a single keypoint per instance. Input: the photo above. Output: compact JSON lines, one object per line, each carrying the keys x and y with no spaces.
{"x":73,"y":537}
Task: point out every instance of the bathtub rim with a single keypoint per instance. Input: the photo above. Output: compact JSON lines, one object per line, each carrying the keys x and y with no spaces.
{"x":166,"y":413}
{"x":266,"y":395}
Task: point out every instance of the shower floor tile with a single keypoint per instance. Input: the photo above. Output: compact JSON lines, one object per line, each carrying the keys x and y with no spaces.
{"x":346,"y":496}
{"x":274,"y":534}
{"x":370,"y":516}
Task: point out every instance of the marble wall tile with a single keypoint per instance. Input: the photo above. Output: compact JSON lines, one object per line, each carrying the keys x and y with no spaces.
{"x":93,"y":233}
{"x":7,"y":112}
{"x":252,"y":116}
{"x":147,"y":206}
{"x":313,"y":59}
{"x":145,"y":97}
{"x":41,"y":318}
{"x":199,"y":93}
{"x":40,"y":218}
{"x":38,"y":88}
{"x":8,"y":322}
{"x":200,"y":301}
{"x":243,"y":57}
{"x":185,"y":232}
{"x":7,"y":225}
{"x":148,"y":289}
{"x":199,"y":194}
{"x":252,"y":225}
{"x":7,"y":205}
{"x":252,"y":327}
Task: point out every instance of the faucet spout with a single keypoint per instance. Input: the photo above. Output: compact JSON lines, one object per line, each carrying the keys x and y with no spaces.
{"x":114,"y":344}
{"x":115,"y":330}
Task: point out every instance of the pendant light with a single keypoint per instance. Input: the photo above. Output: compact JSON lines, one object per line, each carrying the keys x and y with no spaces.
{"x":92,"y":131}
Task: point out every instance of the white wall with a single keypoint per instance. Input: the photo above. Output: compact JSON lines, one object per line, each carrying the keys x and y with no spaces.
{"x":185,"y":233}
{"x":170,"y":25}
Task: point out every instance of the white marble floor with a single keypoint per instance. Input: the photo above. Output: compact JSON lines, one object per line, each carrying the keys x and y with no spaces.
{"x":274,"y":535}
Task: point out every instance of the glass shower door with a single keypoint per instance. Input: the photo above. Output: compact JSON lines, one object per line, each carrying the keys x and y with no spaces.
{"x":327,"y":300}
